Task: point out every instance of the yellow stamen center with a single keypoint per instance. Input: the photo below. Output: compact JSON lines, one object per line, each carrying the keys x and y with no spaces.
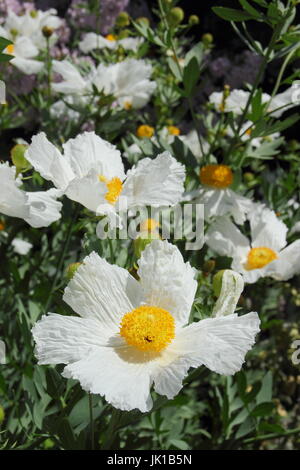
{"x":110,"y":37}
{"x":148,"y":328}
{"x":145,"y":131}
{"x":10,"y":49}
{"x":127,"y":105}
{"x":216,"y":176}
{"x":114,"y":188}
{"x":173,"y":130}
{"x":260,"y":257}
{"x":149,"y":225}
{"x":248,"y":131}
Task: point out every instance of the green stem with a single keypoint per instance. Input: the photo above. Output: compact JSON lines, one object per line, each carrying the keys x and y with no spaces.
{"x":272,"y":436}
{"x":49,"y":69}
{"x":112,"y":429}
{"x":92,"y":421}
{"x":62,"y":257}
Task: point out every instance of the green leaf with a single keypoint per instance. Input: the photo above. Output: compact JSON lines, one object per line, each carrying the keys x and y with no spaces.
{"x":191,"y":75}
{"x":4,"y":43}
{"x":265,"y":394}
{"x":230,"y":14}
{"x":252,"y":11}
{"x":263,"y":409}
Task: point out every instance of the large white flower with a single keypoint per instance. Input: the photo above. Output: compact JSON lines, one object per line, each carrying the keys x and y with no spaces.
{"x":92,"y":41}
{"x":217,"y":197}
{"x":266,"y":255}
{"x":24,"y":51}
{"x":30,"y":24}
{"x":128,"y":81}
{"x":38,"y":209}
{"x":236,"y":101}
{"x":91,"y":172}
{"x":131,"y":335}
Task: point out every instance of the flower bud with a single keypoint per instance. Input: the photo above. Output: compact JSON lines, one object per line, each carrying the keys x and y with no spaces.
{"x":17,"y":155}
{"x":33,"y":14}
{"x":143,"y":21}
{"x":47,"y":32}
{"x":48,"y":444}
{"x":248,"y":176}
{"x":217,"y":282}
{"x":207,"y":39}
{"x":193,"y":20}
{"x":122,"y":20}
{"x":175,"y":16}
{"x":209,"y":266}
{"x":71,"y":270}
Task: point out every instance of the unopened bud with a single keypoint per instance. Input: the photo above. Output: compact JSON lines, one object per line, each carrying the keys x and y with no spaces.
{"x":143,"y":21}
{"x":47,"y":32}
{"x":17,"y":154}
{"x":175,"y":16}
{"x":193,"y":20}
{"x":207,"y":39}
{"x":71,"y":270}
{"x":123,"y":19}
{"x":209,"y":266}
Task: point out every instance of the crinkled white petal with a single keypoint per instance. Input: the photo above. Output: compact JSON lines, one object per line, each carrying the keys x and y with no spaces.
{"x":88,"y":191}
{"x":48,"y":161}
{"x":44,"y":209}
{"x":288,"y":263}
{"x":13,"y":201}
{"x":72,"y":81}
{"x":104,"y":291}
{"x":157,"y":182}
{"x":167,"y":281}
{"x":221,"y":343}
{"x":99,"y":155}
{"x":21,"y":247}
{"x":266,"y":228}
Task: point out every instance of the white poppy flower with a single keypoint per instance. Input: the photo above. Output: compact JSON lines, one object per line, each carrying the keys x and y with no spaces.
{"x":30,"y":24}
{"x":23,"y":51}
{"x":129,"y":81}
{"x":21,"y":247}
{"x":38,"y":209}
{"x":236,"y":101}
{"x":266,"y":255}
{"x":92,"y":41}
{"x":216,"y":195}
{"x":91,"y":172}
{"x":131,"y":335}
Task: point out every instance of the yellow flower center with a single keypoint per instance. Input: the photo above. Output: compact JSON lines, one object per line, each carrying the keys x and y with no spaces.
{"x":10,"y":49}
{"x":127,"y":105}
{"x":148,"y":328}
{"x":216,"y":176}
{"x":114,"y":188}
{"x":173,"y":130}
{"x":149,"y":225}
{"x":145,"y":131}
{"x":260,"y":257}
{"x":249,"y":131}
{"x":110,"y":37}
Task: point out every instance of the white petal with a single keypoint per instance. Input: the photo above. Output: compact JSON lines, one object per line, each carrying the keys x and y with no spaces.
{"x":25,"y":48}
{"x":48,"y":161}
{"x":88,"y":191}
{"x":266,"y":228}
{"x":44,"y":209}
{"x":232,"y":287}
{"x":88,"y":151}
{"x":60,"y":339}
{"x":13,"y":201}
{"x":288,"y":263}
{"x":158,"y":182}
{"x":27,"y":66}
{"x":167,"y":281}
{"x":226,"y":239}
{"x":104,"y":291}
{"x":221,"y":343}
{"x":21,"y":247}
{"x":224,"y":202}
{"x":72,"y":79}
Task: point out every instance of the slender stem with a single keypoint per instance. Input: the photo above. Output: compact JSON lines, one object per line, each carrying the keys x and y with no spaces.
{"x":92,"y":421}
{"x":272,"y":436}
{"x":49,"y":68}
{"x":112,"y":428}
{"x":61,"y":257}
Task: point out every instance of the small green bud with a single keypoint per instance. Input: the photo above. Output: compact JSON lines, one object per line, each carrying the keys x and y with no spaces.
{"x":144,"y":239}
{"x":2,"y":415}
{"x":248,"y":176}
{"x":48,"y":444}
{"x":207,"y":39}
{"x":193,"y":20}
{"x":14,"y":32}
{"x":175,"y":16}
{"x":17,"y":154}
{"x":33,"y":14}
{"x":209,"y":266}
{"x":217,"y":282}
{"x":125,"y":33}
{"x":122,"y":20}
{"x":143,"y":21}
{"x":71,"y":270}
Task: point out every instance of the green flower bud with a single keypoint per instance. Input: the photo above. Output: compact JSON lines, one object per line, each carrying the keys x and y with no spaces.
{"x":17,"y":154}
{"x":217,"y":282}
{"x":193,"y":20}
{"x":122,"y":20}
{"x":125,"y":33}
{"x":248,"y":176}
{"x":14,"y":32}
{"x":143,"y":21}
{"x":144,"y":239}
{"x":71,"y":270}
{"x":33,"y":14}
{"x":175,"y":16}
{"x":209,"y":266}
{"x":2,"y":415}
{"x":207,"y":39}
{"x":48,"y":444}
